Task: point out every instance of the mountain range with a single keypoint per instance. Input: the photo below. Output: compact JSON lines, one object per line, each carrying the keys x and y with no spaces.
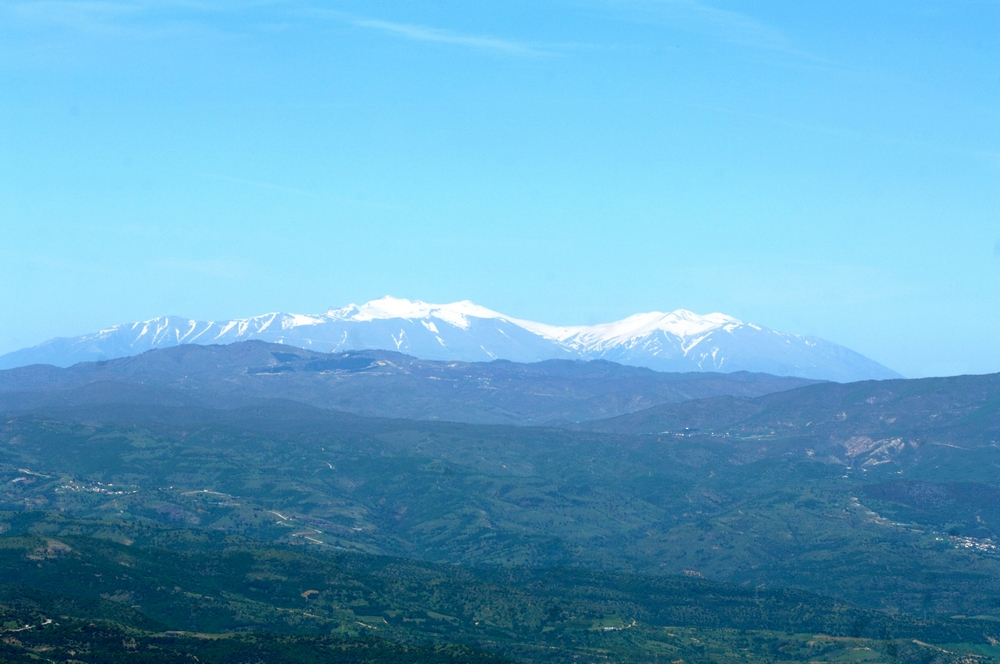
{"x":878,"y":493}
{"x":679,"y":341}
{"x":220,"y":490}
{"x":374,"y":383}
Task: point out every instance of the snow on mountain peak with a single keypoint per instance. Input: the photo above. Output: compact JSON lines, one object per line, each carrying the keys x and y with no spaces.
{"x":388,"y":307}
{"x":675,"y":341}
{"x":680,"y":323}
{"x":299,"y":320}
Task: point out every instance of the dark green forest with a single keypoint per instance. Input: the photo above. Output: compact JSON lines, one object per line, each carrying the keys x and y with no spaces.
{"x":828,"y":522}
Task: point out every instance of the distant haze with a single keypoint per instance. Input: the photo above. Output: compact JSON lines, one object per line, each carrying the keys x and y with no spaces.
{"x":675,"y":341}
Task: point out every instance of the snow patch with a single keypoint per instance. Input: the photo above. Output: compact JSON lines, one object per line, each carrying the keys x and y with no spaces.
{"x":671,"y":341}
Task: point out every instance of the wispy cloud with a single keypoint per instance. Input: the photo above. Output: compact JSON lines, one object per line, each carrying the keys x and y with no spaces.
{"x":423,"y":33}
{"x":735,"y":27}
{"x":80,"y":15}
{"x":131,"y":18}
{"x":139,"y":19}
{"x":167,"y":17}
{"x":725,"y":25}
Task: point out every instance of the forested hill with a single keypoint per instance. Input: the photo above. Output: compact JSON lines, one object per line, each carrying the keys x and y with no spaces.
{"x":373,"y":383}
{"x":878,"y":500}
{"x":962,"y":410}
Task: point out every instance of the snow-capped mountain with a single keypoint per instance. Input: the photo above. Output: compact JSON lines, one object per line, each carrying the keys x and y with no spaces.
{"x":676,"y":341}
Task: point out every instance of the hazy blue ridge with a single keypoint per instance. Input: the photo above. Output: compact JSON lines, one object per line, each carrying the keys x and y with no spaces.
{"x":374,"y":383}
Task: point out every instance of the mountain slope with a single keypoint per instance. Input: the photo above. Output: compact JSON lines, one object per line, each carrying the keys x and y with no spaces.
{"x":750,"y":508}
{"x":463,"y":331}
{"x":255,"y":593}
{"x":931,"y":427}
{"x":373,"y":383}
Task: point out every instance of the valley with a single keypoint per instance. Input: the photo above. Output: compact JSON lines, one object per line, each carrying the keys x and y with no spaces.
{"x":874,"y":500}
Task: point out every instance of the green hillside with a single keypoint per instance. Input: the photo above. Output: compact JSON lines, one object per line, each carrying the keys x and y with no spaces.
{"x":246,"y":598}
{"x":874,"y":520}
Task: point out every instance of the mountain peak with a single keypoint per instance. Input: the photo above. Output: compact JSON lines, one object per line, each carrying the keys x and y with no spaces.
{"x":388,"y":307}
{"x":679,"y":340}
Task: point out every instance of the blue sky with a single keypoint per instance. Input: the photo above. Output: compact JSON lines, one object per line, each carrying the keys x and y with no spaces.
{"x":829,"y":170}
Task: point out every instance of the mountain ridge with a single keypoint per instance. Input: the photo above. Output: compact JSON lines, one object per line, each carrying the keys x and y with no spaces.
{"x":373,"y":383}
{"x":677,"y":341}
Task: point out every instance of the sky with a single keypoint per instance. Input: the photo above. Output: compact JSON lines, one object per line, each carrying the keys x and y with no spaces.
{"x":830,"y":169}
